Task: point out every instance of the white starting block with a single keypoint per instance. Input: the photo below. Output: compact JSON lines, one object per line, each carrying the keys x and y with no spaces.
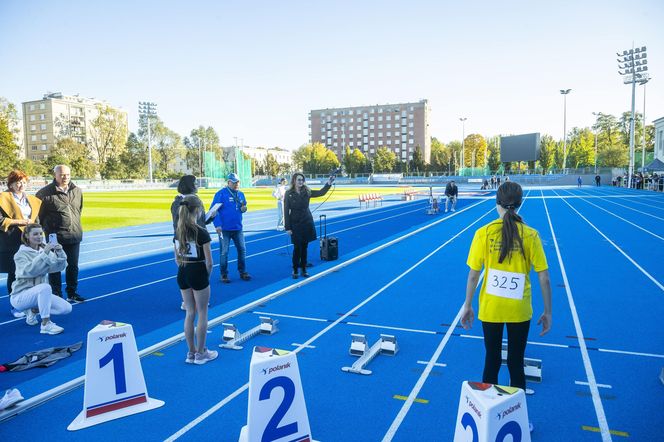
{"x":232,"y":337}
{"x":433,"y":206}
{"x":276,"y":408}
{"x":387,"y":345}
{"x":114,"y":382}
{"x":661,"y":376}
{"x":532,"y":367}
{"x":489,"y":413}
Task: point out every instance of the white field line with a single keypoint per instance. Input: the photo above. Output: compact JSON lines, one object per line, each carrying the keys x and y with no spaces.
{"x":590,"y":374}
{"x":41,"y":398}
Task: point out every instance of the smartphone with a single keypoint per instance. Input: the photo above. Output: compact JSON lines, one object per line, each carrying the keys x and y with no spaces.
{"x":53,"y":238}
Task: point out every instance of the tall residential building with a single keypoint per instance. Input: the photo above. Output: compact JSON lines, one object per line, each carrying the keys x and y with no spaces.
{"x":56,"y":116}
{"x":399,"y":127}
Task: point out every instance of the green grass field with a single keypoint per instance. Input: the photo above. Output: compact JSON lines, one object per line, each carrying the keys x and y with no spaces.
{"x":103,"y":210}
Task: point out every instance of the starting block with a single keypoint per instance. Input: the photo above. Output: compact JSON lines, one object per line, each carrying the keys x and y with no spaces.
{"x":232,"y":337}
{"x":661,"y":376}
{"x":532,"y":367}
{"x":387,"y":345}
{"x":433,"y":206}
{"x":490,"y":412}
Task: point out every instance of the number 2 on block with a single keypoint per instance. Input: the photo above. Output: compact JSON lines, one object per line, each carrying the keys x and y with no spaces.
{"x":272,"y":430}
{"x":116,"y":356}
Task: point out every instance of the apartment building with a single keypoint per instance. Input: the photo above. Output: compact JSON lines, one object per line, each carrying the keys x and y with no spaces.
{"x":55,"y":116}
{"x":282,"y":156}
{"x":399,"y":127}
{"x":659,"y":138}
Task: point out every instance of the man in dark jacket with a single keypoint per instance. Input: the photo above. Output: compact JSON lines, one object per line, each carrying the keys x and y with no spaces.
{"x":452,"y":193}
{"x":60,"y":213}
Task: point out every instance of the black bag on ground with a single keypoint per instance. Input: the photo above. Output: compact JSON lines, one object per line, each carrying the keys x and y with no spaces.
{"x":329,"y":245}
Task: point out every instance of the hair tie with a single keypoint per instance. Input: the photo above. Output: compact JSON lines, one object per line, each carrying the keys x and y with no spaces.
{"x":184,"y":203}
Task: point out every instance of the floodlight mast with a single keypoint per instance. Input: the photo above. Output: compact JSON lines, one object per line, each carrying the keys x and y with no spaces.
{"x":564,"y":92}
{"x":463,"y":141}
{"x":148,"y":110}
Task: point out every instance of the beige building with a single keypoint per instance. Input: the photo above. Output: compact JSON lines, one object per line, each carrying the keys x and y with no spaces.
{"x":56,"y":116}
{"x":282,"y":156}
{"x":399,"y":127}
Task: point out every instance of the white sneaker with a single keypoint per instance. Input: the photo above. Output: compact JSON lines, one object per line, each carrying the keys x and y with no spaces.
{"x":182,"y":306}
{"x":453,"y":210}
{"x":207,"y":355}
{"x":30,"y":317}
{"x":17,"y":313}
{"x":11,"y":397}
{"x":51,"y":328}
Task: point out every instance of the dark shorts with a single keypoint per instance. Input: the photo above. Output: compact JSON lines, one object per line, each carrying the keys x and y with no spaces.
{"x":193,"y":276}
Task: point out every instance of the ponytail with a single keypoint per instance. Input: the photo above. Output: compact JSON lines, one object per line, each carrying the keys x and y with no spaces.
{"x":509,"y":197}
{"x":187,"y":227}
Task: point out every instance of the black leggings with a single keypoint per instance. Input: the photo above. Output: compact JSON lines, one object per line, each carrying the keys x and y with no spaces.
{"x":300,"y":255}
{"x":517,"y":336}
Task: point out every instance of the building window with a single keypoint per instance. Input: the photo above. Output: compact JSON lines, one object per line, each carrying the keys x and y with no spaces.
{"x":351,"y":144}
{"x":389,"y":134}
{"x":388,"y":118}
{"x":371,"y":127}
{"x":403,"y":114}
{"x":380,"y":126}
{"x":412,"y":108}
{"x":388,"y":126}
{"x":371,"y":151}
{"x":32,"y":118}
{"x":380,"y":135}
{"x":34,"y":158}
{"x":34,"y":147}
{"x":33,"y":138}
{"x":32,"y":107}
{"x":380,"y":110}
{"x":33,"y":127}
{"x":411,"y":141}
{"x":42,"y":126}
{"x":358,"y":127}
{"x":380,"y":118}
{"x":334,"y":113}
{"x":410,"y":124}
{"x":42,"y":116}
{"x":371,"y":118}
{"x":43,"y":137}
{"x":411,"y":116}
{"x":43,"y":147}
{"x":42,"y":105}
{"x":373,"y":111}
{"x":371,"y":143}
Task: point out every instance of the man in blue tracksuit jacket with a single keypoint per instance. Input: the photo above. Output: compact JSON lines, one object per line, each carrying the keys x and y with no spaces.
{"x":228,"y":223}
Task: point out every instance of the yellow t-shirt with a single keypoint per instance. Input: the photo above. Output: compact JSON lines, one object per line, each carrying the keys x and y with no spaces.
{"x":505,"y":295}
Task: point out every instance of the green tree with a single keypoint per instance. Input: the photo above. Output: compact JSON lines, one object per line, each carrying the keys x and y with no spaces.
{"x":108,"y":135}
{"x":354,"y":161}
{"x":614,"y":156}
{"x":474,"y":145}
{"x":8,"y":149}
{"x":315,"y":159}
{"x":440,"y":156}
{"x":581,"y":148}
{"x":75,"y":155}
{"x":32,"y":168}
{"x":165,"y":144}
{"x":493,"y":151}
{"x":384,"y":160}
{"x":624,"y":124}
{"x":270,"y":165}
{"x":547,"y":153}
{"x":417,"y":164}
{"x":455,"y":155}
{"x":202,"y":139}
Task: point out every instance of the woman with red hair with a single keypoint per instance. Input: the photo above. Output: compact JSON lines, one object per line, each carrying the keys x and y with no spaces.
{"x":17,"y":210}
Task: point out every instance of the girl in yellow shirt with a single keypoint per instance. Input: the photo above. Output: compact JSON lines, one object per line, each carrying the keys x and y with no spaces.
{"x":507,"y":249}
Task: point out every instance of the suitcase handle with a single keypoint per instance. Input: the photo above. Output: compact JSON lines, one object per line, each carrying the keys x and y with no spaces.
{"x":320,"y":226}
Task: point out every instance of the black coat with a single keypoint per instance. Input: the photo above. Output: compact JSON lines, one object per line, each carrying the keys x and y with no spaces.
{"x":297,"y":216}
{"x":61,"y":212}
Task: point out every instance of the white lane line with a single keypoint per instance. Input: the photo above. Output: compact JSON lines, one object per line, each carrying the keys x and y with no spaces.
{"x":41,"y":398}
{"x":280,"y":315}
{"x":437,"y":364}
{"x":598,"y":385}
{"x":215,"y":407}
{"x":295,"y":344}
{"x":386,"y":327}
{"x":590,"y":374}
{"x":634,"y":210}
{"x":657,"y":283}
{"x":634,"y":353}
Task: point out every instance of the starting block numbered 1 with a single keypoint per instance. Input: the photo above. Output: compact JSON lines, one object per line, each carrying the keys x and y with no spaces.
{"x":114,"y":382}
{"x":276,"y":408}
{"x":232,"y":337}
{"x":386,"y":345}
{"x":489,"y":413}
{"x":531,"y":367}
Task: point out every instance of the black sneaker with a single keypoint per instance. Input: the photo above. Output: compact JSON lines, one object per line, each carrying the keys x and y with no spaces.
{"x":304,"y":273}
{"x":75,"y":298}
{"x":245,"y":276}
{"x":295,"y":274}
{"x":225,"y":278}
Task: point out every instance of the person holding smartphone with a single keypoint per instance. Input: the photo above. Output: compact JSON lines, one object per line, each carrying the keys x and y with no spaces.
{"x":31,"y":291}
{"x":194,"y":259}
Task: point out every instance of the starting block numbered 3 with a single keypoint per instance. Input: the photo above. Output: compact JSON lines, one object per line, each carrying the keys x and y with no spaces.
{"x":386,"y":345}
{"x":489,"y":413}
{"x":532,"y":367}
{"x":276,"y":408}
{"x":114,"y":382}
{"x":232,"y":337}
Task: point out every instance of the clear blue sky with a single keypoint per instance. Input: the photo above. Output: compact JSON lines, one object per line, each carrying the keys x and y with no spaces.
{"x":254,"y":69}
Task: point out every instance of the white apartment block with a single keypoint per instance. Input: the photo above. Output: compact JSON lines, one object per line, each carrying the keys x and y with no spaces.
{"x":55,"y":116}
{"x":399,"y":127}
{"x":659,"y":138}
{"x":282,"y":156}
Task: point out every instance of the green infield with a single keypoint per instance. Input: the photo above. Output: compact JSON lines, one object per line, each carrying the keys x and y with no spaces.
{"x":103,"y":210}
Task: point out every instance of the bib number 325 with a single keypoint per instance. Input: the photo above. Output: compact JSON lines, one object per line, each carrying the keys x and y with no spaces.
{"x":505,"y":284}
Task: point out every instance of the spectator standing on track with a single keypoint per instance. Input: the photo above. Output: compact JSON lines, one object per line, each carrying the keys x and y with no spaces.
{"x":30,"y":292}
{"x":193,"y":256}
{"x":228,"y":223}
{"x":60,"y":213}
{"x":452,"y":194}
{"x":299,"y":221}
{"x":279,"y":193}
{"x":507,"y":249}
{"x":498,"y":181}
{"x":17,"y":210}
{"x":579,"y":181}
{"x":493,"y":181}
{"x":598,"y":180}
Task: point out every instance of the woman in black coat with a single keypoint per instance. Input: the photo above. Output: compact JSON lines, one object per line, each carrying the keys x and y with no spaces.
{"x":298,"y":221}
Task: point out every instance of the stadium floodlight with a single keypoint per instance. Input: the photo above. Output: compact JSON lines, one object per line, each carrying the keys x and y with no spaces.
{"x":597,"y":114}
{"x":564,"y":92}
{"x":633,"y":73}
{"x":643,"y":79}
{"x":148,"y":110}
{"x":463,"y":140}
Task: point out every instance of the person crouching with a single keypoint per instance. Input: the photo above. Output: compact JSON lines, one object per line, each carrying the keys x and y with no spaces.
{"x":31,"y":291}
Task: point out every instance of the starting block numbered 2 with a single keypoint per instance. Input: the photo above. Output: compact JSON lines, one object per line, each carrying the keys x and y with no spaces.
{"x":532,"y":367}
{"x":386,"y":345}
{"x":114,"y":382}
{"x":276,"y":408}
{"x":489,"y":413}
{"x":233,"y":338}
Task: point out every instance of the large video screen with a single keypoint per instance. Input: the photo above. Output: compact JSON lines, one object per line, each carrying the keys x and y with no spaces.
{"x":524,"y":147}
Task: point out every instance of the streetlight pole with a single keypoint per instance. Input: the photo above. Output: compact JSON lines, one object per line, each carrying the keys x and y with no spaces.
{"x":596,"y":114}
{"x":632,"y":66}
{"x":644,"y":81}
{"x":463,"y":140}
{"x":565,"y":92}
{"x":148,"y":110}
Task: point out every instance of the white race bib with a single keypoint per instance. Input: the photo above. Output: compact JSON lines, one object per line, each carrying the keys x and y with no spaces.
{"x":505,"y":284}
{"x":191,"y":249}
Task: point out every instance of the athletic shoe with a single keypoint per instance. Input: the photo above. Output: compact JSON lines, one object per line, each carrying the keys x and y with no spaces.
{"x":207,"y":355}
{"x":305,"y":274}
{"x":190,"y":357}
{"x":182,"y":306}
{"x":245,"y":276}
{"x":30,"y":317}
{"x":75,"y":298}
{"x":295,"y":274}
{"x":224,"y":278}
{"x":446,"y":210}
{"x":11,"y":397}
{"x":18,"y":314}
{"x":51,"y":328}
{"x":530,"y":427}
{"x":453,"y":210}
{"x":309,"y":264}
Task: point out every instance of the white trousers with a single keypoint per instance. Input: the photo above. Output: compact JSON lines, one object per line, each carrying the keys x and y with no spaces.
{"x":280,"y":214}
{"x":41,"y":297}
